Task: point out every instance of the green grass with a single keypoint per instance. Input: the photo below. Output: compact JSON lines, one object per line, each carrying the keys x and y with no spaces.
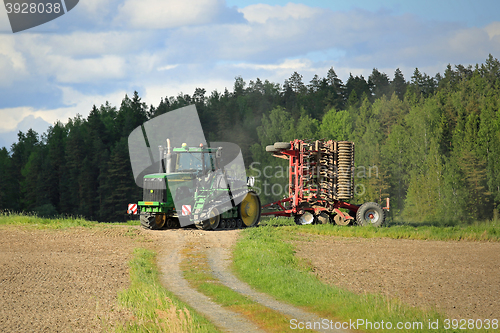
{"x":154,"y":308}
{"x":477,"y":231}
{"x":34,"y":221}
{"x":265,"y":260}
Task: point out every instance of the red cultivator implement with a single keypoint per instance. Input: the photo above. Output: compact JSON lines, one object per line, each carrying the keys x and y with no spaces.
{"x":320,"y":179}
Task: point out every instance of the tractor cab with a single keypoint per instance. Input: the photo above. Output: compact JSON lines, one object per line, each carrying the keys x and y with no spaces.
{"x":193,"y":160}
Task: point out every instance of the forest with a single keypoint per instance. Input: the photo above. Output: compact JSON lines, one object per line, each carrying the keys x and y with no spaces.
{"x":430,"y":144}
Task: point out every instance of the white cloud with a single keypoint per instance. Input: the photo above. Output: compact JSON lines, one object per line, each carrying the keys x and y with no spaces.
{"x":68,"y":70}
{"x":167,"y":67}
{"x":493,"y":29}
{"x":288,"y":65}
{"x":79,"y":57}
{"x":164,"y":14}
{"x":74,"y":70}
{"x":72,"y":103}
{"x":85,"y":44}
{"x":97,"y":7}
{"x":470,"y":43}
{"x":12,"y":62}
{"x":260,"y":13}
{"x":13,"y":116}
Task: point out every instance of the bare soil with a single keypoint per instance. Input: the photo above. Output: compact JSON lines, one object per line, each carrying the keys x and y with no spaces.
{"x":459,"y":278}
{"x":68,"y":280}
{"x":65,"y":280}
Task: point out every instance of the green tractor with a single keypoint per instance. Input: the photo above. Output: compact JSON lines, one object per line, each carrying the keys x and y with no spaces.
{"x":195,"y":185}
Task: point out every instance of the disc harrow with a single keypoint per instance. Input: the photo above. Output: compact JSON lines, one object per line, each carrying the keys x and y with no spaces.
{"x":321,"y":181}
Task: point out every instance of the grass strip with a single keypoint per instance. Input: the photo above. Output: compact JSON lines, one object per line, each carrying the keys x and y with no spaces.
{"x":478,"y":231}
{"x":264,"y":260}
{"x":32,"y":220}
{"x":154,"y":308}
{"x":197,"y":272}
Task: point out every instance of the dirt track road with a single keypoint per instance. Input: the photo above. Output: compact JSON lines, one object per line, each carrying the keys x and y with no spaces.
{"x":217,"y":245}
{"x":67,"y":281}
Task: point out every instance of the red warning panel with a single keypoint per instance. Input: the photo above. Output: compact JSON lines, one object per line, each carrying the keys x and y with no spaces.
{"x":186,"y":210}
{"x":132,"y":209}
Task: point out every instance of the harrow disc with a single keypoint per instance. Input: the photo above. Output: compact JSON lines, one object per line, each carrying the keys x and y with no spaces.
{"x":339,"y":220}
{"x":323,"y":218}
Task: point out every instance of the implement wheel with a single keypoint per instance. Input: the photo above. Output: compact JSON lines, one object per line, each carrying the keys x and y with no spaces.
{"x":271,"y":149}
{"x":282,"y":145}
{"x":152,"y":221}
{"x":370,"y":213}
{"x":249,"y":209}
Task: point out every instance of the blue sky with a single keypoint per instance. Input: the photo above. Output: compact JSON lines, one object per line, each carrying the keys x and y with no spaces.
{"x":102,"y":50}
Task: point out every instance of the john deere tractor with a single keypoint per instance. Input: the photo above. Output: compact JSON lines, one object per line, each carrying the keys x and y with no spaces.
{"x":195,"y":185}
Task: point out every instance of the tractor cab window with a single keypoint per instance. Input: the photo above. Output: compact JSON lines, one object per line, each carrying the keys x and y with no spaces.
{"x":193,"y":162}
{"x":189,"y":162}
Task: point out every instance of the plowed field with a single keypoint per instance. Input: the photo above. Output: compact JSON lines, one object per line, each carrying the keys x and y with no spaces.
{"x":68,"y":280}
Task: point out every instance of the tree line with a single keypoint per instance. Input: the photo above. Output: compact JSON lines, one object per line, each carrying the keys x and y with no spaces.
{"x":431,"y":144}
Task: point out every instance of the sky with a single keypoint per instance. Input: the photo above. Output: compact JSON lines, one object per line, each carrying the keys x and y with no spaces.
{"x":101,"y":50}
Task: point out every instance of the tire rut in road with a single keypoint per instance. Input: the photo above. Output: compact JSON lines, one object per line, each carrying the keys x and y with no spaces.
{"x":219,"y":258}
{"x":169,"y":260}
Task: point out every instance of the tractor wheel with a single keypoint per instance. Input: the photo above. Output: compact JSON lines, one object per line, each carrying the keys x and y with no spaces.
{"x":249,"y":209}
{"x":239,"y":223}
{"x":214,"y":218}
{"x":323,"y":218}
{"x":211,"y":223}
{"x":152,"y":221}
{"x":282,"y":145}
{"x":370,"y":213}
{"x":222,"y":224}
{"x":171,"y":223}
{"x":233,"y":223}
{"x":271,"y":149}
